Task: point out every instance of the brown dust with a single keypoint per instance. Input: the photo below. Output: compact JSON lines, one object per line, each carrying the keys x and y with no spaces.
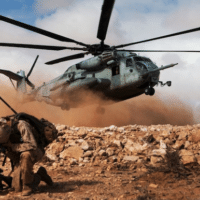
{"x":144,"y":110}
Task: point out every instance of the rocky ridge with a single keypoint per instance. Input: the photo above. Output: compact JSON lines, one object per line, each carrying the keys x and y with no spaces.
{"x":131,"y":145}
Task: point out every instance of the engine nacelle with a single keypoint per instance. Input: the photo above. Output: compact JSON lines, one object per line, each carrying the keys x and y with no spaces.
{"x":98,"y":62}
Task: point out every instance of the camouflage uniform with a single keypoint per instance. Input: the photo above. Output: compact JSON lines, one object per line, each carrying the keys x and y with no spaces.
{"x":25,"y":150}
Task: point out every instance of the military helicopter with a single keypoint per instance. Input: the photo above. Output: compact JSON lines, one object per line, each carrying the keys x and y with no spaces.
{"x":116,"y":73}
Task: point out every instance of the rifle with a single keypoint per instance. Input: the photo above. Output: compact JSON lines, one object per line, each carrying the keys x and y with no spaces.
{"x":8,"y":105}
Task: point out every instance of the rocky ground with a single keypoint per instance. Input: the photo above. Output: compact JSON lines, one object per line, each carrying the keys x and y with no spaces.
{"x":130,"y":162}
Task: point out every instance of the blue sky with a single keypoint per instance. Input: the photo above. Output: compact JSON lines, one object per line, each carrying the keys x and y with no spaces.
{"x":25,"y":10}
{"x":19,"y":9}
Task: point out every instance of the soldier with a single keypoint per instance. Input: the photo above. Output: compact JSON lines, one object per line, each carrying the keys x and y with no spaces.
{"x":24,"y":141}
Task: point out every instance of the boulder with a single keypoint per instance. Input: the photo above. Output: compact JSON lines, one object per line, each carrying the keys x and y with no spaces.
{"x":86,"y":145}
{"x":188,"y":159}
{"x":110,"y":151}
{"x":131,"y":158}
{"x":72,"y":152}
{"x":54,"y":150}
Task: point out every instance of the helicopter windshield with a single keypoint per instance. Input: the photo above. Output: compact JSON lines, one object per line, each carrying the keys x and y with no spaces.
{"x":129,"y":62}
{"x":141,"y":67}
{"x":142,"y":59}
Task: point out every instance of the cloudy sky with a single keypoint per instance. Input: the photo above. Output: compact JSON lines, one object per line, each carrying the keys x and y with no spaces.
{"x":131,"y":20}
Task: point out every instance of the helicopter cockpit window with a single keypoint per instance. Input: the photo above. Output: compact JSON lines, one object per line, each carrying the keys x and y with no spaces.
{"x":129,"y":62}
{"x":141,"y":67}
{"x":115,"y":71}
{"x":142,"y":59}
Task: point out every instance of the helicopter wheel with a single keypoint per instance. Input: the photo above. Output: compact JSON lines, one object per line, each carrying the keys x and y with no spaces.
{"x":100,"y":110}
{"x":149,"y":91}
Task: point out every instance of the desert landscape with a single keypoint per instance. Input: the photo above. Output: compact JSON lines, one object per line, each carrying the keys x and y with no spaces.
{"x":127,"y":162}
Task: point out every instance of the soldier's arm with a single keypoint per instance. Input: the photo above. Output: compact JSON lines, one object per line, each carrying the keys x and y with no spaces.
{"x":28,"y":140}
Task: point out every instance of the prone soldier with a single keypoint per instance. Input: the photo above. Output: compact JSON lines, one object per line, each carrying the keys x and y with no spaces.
{"x":24,"y":138}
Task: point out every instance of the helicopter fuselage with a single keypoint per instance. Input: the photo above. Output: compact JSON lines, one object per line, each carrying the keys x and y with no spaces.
{"x":118,"y":75}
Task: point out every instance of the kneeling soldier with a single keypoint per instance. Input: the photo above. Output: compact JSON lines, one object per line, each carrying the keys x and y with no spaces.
{"x":24,"y":145}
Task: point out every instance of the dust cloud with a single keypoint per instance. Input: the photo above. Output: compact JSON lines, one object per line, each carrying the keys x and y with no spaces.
{"x":144,"y":110}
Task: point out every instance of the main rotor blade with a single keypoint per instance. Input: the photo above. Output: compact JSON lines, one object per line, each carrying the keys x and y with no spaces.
{"x":33,"y":46}
{"x":42,"y":47}
{"x":162,"y":51}
{"x":105,"y":18}
{"x":72,"y":57}
{"x":40,"y":31}
{"x":32,"y":67}
{"x":158,"y":38}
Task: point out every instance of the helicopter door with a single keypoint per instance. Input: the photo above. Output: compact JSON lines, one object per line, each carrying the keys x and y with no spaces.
{"x":116,"y":77}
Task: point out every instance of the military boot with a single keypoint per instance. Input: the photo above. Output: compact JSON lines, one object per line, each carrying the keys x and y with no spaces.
{"x":36,"y":181}
{"x":42,"y":172}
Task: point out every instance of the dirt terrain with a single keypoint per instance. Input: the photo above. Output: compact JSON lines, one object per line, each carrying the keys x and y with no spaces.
{"x":129,"y":162}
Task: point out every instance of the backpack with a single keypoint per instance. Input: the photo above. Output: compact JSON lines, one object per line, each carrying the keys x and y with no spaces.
{"x":45,"y":130}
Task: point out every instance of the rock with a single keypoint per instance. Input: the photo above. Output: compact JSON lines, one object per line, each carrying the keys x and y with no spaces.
{"x":144,"y":129}
{"x":135,"y":147}
{"x":99,"y":171}
{"x":198,"y":159}
{"x":87,"y":154}
{"x":158,"y":152}
{"x":153,"y":185}
{"x":71,"y":143}
{"x":110,"y":151}
{"x":86,"y":146}
{"x":185,"y":152}
{"x":131,"y":158}
{"x":182,"y":135}
{"x":73,"y":161}
{"x":179,"y":144}
{"x":72,"y":152}
{"x":162,"y":145}
{"x":195,"y":136}
{"x":113,"y":159}
{"x":102,"y":153}
{"x":113,"y":128}
{"x":54,"y":150}
{"x":188,"y":159}
{"x":165,"y":133}
{"x":61,"y":128}
{"x":80,"y":140}
{"x":156,"y":159}
{"x":187,"y":144}
{"x":148,"y":138}
{"x":86,"y":160}
{"x":82,"y":133}
{"x":117,"y":142}
{"x":120,"y":129}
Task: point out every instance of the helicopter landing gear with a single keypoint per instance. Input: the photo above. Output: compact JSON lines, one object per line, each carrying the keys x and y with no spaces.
{"x":168,"y":83}
{"x":149,"y":91}
{"x":100,"y":110}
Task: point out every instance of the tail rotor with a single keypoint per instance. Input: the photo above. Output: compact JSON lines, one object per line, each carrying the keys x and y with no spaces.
{"x":20,"y":77}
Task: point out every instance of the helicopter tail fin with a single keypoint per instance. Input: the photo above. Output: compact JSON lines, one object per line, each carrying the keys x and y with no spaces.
{"x":20,"y":78}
